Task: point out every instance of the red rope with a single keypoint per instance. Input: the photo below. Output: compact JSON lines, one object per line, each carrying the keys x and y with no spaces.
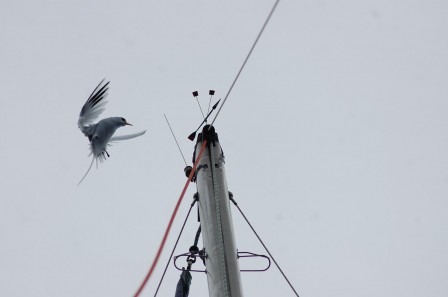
{"x":167,"y":231}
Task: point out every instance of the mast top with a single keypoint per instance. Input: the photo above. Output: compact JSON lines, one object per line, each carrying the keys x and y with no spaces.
{"x":208,"y":133}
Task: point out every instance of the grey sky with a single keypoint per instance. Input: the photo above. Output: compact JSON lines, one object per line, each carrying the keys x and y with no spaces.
{"x":335,"y":141}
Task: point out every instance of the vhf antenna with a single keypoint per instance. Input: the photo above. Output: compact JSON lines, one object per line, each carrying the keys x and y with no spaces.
{"x":174,"y":136}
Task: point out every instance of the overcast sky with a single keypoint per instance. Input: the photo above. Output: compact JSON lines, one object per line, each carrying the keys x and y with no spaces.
{"x":335,"y":141}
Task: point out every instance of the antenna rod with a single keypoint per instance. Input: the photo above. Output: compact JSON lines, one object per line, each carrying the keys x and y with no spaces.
{"x":197,"y":100}
{"x":174,"y":136}
{"x":244,"y":63}
{"x":211,"y":93}
{"x":195,"y":95}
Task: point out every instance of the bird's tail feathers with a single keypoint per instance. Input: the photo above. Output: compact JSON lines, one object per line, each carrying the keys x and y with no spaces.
{"x":86,"y":172}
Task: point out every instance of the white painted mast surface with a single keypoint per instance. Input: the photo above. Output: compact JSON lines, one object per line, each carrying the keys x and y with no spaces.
{"x":223,"y":273}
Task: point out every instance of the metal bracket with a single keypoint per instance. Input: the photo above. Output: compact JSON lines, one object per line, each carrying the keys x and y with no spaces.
{"x":251,"y":255}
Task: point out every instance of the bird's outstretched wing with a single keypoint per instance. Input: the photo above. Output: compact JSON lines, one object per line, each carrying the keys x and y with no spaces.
{"x":93,"y":107}
{"x":126,"y":137}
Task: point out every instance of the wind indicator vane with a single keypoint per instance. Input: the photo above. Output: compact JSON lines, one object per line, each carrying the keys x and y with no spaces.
{"x":192,"y":136}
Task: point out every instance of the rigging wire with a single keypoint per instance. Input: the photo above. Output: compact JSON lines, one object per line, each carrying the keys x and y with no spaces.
{"x":196,"y":238}
{"x":262,"y":243}
{"x":175,"y":245}
{"x":167,"y":231}
{"x":174,"y":136}
{"x":247,"y":58}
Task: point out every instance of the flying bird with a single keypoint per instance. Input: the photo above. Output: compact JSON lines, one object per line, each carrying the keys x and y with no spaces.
{"x":100,"y":134}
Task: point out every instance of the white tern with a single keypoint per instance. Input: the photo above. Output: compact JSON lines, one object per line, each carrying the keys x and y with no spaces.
{"x":100,"y":134}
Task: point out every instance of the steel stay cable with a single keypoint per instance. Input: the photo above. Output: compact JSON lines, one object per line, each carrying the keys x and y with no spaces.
{"x":262,"y":243}
{"x":174,"y":248}
{"x":245,"y":60}
{"x":165,"y":236}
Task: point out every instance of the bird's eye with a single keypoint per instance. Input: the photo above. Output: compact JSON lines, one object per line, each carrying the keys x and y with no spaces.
{"x":123,"y":120}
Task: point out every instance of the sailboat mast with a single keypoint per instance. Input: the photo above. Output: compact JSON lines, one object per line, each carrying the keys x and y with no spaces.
{"x":221,"y":261}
